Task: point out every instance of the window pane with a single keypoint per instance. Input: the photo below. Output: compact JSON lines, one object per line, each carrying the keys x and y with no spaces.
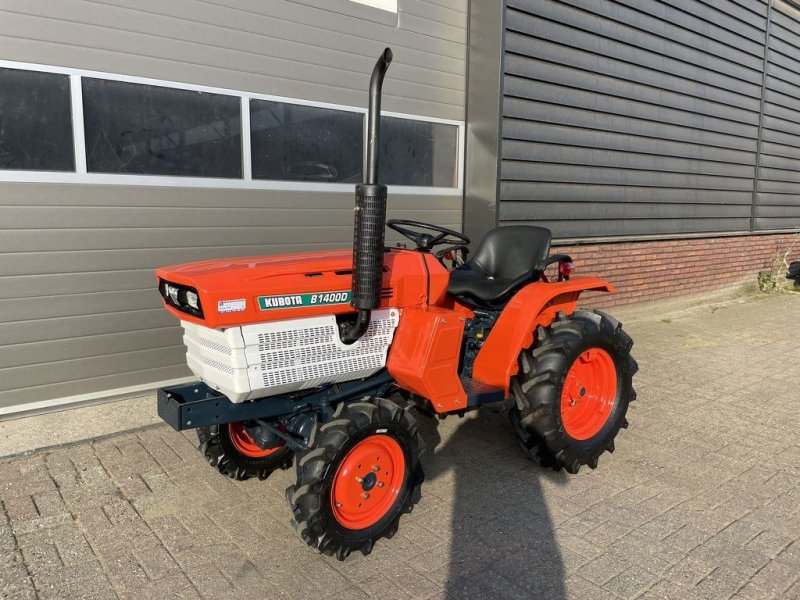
{"x":305,"y":143}
{"x":418,"y":153}
{"x":35,"y":121}
{"x":152,"y":130}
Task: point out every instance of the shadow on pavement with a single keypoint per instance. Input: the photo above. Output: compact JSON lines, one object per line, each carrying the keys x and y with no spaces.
{"x":503,"y":543}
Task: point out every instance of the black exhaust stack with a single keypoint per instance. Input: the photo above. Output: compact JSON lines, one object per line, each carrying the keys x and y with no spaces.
{"x":370,"y":217}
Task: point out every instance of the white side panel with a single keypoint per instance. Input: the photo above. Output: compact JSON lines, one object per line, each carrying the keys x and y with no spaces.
{"x":283,"y":356}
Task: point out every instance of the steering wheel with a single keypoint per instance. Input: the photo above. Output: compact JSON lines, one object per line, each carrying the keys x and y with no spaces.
{"x":425,"y":241}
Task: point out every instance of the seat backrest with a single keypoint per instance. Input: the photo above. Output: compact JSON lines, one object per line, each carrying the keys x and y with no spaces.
{"x":508,"y":252}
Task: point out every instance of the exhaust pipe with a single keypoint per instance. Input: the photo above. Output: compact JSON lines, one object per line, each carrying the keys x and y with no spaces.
{"x":370,"y":217}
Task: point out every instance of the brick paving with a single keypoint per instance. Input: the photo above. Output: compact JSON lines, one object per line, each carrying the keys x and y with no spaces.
{"x":700,"y":500}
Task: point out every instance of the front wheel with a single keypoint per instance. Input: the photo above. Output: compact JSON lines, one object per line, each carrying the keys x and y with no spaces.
{"x":573,"y":389}
{"x":231,"y":450}
{"x":360,"y":475}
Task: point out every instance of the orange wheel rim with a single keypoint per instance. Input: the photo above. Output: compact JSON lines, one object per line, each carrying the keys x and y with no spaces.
{"x":368,"y":482}
{"x":246,"y":445}
{"x":589,"y":394}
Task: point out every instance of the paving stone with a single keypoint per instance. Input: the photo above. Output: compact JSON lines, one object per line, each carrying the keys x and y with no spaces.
{"x":686,"y":538}
{"x":690,"y":571}
{"x":210,"y":582}
{"x":578,"y":545}
{"x":723,"y":553}
{"x":794,"y":591}
{"x":722,"y":582}
{"x":776,"y":577}
{"x":632,"y":582}
{"x":73,"y":549}
{"x":92,"y":588}
{"x":51,"y":582}
{"x":375,"y":586}
{"x":14,"y":572}
{"x":607,"y":533}
{"x":669,"y":590}
{"x":605,"y":567}
{"x":41,"y":558}
{"x":753,"y":592}
{"x":791,"y":554}
{"x":42,"y":525}
{"x":8,"y":542}
{"x":158,"y":449}
{"x":660,"y":527}
{"x":156,"y":562}
{"x":741,"y":532}
{"x":656,"y":556}
{"x":49,"y":504}
{"x":490,"y":585}
{"x":21,"y":508}
{"x":582,"y":523}
{"x":17,"y":590}
{"x":770,"y":543}
{"x":578,"y":588}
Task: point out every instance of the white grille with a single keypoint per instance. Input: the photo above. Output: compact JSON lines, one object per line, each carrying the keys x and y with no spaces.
{"x":281,"y":356}
{"x":207,"y":343}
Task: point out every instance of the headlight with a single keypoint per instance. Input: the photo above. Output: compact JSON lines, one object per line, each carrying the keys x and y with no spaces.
{"x":192,"y":300}
{"x":172,"y":291}
{"x":184,"y":298}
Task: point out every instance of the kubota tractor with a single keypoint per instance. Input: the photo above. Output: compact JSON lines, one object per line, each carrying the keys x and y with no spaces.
{"x":315,"y":359}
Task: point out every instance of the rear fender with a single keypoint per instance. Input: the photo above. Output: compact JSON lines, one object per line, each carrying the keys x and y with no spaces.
{"x":536,"y":304}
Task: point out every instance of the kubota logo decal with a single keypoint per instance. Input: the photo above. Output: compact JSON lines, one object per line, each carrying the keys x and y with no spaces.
{"x":299,"y":300}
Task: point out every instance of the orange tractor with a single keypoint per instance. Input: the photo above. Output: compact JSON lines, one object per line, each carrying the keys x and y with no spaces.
{"x":315,"y":359}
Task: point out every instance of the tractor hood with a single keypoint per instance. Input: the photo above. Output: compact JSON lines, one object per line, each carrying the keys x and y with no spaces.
{"x":224,"y":274}
{"x":227,"y":292}
{"x":232,"y":291}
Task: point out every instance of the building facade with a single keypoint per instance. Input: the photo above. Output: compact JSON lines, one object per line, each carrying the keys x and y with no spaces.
{"x":138,"y":134}
{"x":657,"y":139}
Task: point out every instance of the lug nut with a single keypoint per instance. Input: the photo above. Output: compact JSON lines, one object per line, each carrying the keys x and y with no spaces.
{"x":359,"y":479}
{"x":376,"y":468}
{"x":380,"y":484}
{"x":365,"y":496}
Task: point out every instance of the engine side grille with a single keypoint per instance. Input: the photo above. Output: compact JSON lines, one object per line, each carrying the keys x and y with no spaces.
{"x":281,"y":356}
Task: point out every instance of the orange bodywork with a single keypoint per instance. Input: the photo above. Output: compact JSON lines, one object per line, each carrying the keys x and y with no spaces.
{"x":426,"y":350}
{"x":424,"y":355}
{"x":405,"y":283}
{"x":536,"y":304}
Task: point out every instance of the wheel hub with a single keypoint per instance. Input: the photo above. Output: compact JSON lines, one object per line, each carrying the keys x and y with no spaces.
{"x":368,"y":481}
{"x":589,"y":394}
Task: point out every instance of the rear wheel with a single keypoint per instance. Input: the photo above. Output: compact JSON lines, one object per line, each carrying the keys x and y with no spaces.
{"x":573,"y":389}
{"x":231,"y":450}
{"x":360,"y":475}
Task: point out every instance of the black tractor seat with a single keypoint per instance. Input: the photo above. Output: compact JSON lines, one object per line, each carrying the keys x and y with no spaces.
{"x":506,"y":259}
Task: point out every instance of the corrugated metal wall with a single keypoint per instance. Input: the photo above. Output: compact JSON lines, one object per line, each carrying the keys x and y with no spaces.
{"x":637,"y":117}
{"x":79,"y":313}
{"x":778,"y":198}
